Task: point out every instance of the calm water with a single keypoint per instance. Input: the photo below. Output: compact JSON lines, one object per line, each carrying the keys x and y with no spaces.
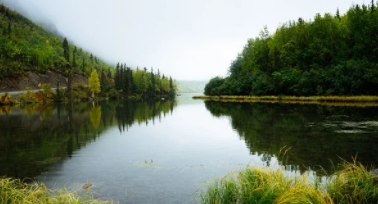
{"x":165,"y":151}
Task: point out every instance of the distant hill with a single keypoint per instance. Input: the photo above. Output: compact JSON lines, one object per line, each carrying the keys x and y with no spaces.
{"x":26,"y":46}
{"x":191,"y":86}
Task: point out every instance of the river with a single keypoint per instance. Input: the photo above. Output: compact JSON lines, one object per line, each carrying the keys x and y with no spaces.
{"x":166,"y":151}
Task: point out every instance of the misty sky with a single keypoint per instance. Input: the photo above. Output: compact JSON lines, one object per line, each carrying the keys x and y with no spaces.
{"x":185,"y":39}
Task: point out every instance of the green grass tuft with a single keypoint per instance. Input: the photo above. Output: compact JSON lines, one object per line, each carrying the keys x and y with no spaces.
{"x":14,"y":191}
{"x":353,"y":184}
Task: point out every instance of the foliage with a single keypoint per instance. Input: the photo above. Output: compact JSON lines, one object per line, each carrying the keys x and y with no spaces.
{"x":28,"y":97}
{"x":7,"y":99}
{"x":329,"y":55}
{"x":25,"y":46}
{"x":353,"y":184}
{"x":81,"y":92}
{"x":94,"y":83}
{"x":142,"y":82}
{"x":16,"y":191}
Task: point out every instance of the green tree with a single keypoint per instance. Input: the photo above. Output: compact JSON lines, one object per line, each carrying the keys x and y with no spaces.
{"x":66,"y":50}
{"x":94,"y":83}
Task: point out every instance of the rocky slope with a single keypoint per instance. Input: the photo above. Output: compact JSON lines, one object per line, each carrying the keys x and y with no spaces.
{"x":32,"y":79}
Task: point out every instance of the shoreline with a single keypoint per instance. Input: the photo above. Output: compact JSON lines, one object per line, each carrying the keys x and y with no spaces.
{"x":362,"y":101}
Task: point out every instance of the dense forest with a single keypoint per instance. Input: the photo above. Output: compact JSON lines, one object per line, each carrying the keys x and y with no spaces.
{"x":329,"y":55}
{"x":142,"y":82}
{"x":25,"y":46}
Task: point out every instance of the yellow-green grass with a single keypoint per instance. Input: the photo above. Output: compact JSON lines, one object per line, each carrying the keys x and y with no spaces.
{"x":322,"y":100}
{"x":353,"y":184}
{"x":14,"y":191}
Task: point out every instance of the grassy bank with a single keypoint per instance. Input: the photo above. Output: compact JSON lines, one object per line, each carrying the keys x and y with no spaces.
{"x":354,"y":183}
{"x":323,"y":100}
{"x":14,"y":191}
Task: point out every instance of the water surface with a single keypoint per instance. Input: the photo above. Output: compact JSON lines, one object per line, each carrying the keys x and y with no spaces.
{"x":165,"y":151}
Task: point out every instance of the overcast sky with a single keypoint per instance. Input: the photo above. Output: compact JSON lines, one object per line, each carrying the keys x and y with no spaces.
{"x":185,"y":39}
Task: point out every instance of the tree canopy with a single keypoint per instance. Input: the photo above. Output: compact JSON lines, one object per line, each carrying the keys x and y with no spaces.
{"x":26,"y":46}
{"x":329,"y":55}
{"x":94,"y":83}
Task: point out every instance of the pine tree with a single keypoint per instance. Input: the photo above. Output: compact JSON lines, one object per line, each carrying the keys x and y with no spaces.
{"x":66,"y":50}
{"x":74,"y":58}
{"x":83,"y":66}
{"x":103,"y":81}
{"x":9,"y":29}
{"x":109,"y":74}
{"x":338,"y":14}
{"x":117,"y":77}
{"x":153,"y":83}
{"x":372,"y":5}
{"x":121,"y":78}
{"x":171,"y":88}
{"x":129,"y":81}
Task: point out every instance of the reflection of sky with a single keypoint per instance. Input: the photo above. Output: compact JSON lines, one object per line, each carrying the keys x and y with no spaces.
{"x":186,"y":99}
{"x":162,"y":163}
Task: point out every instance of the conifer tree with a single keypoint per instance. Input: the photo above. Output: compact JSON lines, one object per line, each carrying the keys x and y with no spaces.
{"x":117,"y":77}
{"x":66,"y":50}
{"x":372,"y":6}
{"x":74,"y":58}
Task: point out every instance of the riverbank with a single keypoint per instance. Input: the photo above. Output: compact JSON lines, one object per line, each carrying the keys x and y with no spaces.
{"x":16,"y":191}
{"x":354,"y":183}
{"x":322,"y":100}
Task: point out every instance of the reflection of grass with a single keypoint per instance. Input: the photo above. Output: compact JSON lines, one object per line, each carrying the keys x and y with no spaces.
{"x":362,"y":101}
{"x":353,"y":184}
{"x":15,"y":191}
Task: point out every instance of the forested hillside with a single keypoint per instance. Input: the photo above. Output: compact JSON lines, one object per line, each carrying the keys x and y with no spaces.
{"x":25,"y":46}
{"x":329,"y":55}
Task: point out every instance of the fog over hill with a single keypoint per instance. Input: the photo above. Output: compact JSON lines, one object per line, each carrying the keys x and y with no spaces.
{"x":34,"y":15}
{"x":191,"y":86}
{"x":186,"y":39}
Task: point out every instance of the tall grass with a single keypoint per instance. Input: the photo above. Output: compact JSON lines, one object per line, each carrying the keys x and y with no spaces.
{"x":322,"y":100}
{"x":14,"y":191}
{"x":353,"y":184}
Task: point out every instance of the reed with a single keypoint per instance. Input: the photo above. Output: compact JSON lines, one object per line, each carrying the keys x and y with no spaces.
{"x":352,"y":184}
{"x":355,"y":183}
{"x":14,"y":191}
{"x":322,"y":100}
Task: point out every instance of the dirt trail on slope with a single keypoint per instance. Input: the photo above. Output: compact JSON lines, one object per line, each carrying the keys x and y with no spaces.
{"x":32,"y":79}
